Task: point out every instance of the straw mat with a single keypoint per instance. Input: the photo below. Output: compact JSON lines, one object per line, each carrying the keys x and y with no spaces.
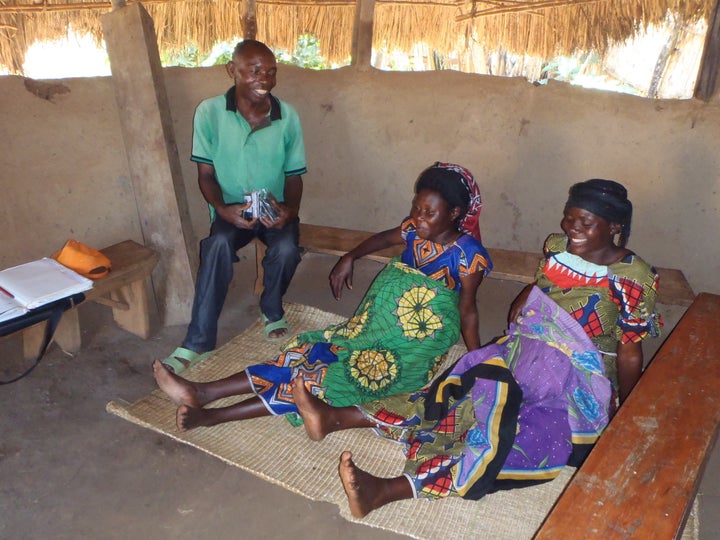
{"x":310,"y":468}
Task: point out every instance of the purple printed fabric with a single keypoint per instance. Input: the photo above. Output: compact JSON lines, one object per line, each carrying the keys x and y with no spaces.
{"x":566,"y":396}
{"x":507,"y":414}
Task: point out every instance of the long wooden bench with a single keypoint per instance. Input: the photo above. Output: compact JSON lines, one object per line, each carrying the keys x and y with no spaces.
{"x":124,"y":290}
{"x":509,"y":265}
{"x":642,"y":476}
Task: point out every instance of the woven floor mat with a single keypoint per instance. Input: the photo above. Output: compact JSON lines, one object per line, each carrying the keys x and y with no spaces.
{"x":513,"y":514}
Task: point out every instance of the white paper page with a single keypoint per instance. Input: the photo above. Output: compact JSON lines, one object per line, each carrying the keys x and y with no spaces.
{"x":9,"y":307}
{"x":39,"y":282}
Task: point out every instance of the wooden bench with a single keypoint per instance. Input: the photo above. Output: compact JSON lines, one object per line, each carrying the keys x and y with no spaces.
{"x":641,"y":478}
{"x":124,"y":289}
{"x":509,"y":265}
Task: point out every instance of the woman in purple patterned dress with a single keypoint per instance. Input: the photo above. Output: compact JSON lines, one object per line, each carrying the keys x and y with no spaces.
{"x":516,"y":411}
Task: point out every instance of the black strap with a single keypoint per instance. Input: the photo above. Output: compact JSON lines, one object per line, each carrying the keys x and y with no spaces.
{"x":52,"y":313}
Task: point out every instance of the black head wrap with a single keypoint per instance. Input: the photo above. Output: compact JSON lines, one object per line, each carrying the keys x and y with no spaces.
{"x":604,"y":198}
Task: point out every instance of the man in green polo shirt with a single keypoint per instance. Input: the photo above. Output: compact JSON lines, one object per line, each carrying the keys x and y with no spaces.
{"x":245,"y":140}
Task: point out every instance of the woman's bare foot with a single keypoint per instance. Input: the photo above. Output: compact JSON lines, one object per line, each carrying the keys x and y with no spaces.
{"x":362,"y":488}
{"x":316,"y":414}
{"x":187,"y":418}
{"x":320,"y":418}
{"x":179,"y":390}
{"x":366,"y":492}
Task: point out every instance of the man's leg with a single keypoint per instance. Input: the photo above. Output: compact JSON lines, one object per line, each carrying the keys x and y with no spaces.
{"x":280,"y":262}
{"x":217,"y":255}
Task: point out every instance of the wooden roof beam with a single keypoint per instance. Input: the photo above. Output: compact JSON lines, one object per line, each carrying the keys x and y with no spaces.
{"x":250,"y":20}
{"x":706,"y":84}
{"x":361,"y":52}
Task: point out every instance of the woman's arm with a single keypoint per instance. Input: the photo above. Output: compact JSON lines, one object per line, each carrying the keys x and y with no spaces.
{"x":518,"y":303}
{"x":342,"y":272}
{"x":646,"y":321}
{"x":468,"y":309}
{"x":629,"y":367}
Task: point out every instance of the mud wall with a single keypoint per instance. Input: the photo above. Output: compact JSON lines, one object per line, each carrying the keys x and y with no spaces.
{"x":368,"y":134}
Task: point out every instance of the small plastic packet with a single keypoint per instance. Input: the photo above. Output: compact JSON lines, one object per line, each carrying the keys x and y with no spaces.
{"x":261,"y":205}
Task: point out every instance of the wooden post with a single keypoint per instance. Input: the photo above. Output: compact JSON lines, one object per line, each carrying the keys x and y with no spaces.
{"x":706,"y":85}
{"x":250,"y":20}
{"x":153,"y":160}
{"x":664,"y":58}
{"x":361,"y":53}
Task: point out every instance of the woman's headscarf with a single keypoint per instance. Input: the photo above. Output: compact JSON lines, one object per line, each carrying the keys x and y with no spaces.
{"x":604,"y":198}
{"x":470,"y":222}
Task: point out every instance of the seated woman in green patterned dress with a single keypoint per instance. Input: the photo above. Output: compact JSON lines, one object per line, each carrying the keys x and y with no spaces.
{"x":519,"y":409}
{"x":413,"y":312}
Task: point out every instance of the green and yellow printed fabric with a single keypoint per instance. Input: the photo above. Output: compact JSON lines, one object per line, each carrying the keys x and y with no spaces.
{"x":395,"y":342}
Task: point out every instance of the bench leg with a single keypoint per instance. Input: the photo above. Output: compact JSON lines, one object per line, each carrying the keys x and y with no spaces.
{"x":136,"y":317}
{"x":67,"y":335}
{"x":32,"y":339}
{"x":260,"y":250}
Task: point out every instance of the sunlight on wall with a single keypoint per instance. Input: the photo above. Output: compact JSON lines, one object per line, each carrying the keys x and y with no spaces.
{"x":74,"y":56}
{"x":636,"y":61}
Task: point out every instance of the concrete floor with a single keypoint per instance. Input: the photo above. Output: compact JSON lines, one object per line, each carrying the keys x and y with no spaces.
{"x":70,"y":470}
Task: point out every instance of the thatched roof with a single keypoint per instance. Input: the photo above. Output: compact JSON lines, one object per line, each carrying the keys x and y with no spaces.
{"x":539,"y":27}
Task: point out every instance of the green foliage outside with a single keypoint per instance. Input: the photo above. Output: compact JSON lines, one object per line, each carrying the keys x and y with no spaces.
{"x":306,"y":55}
{"x":583,"y":69}
{"x":188,"y":56}
{"x":586,"y":70}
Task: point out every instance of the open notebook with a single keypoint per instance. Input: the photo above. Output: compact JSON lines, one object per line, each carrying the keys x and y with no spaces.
{"x":37,"y":283}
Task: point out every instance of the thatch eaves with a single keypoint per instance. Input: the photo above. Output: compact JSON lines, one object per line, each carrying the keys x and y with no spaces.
{"x":537,"y":27}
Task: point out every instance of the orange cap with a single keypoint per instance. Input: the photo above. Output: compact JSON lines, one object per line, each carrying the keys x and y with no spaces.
{"x":83,"y":259}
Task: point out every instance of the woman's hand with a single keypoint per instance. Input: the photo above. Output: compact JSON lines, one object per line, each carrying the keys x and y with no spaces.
{"x":518,"y":304}
{"x":341,"y":274}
